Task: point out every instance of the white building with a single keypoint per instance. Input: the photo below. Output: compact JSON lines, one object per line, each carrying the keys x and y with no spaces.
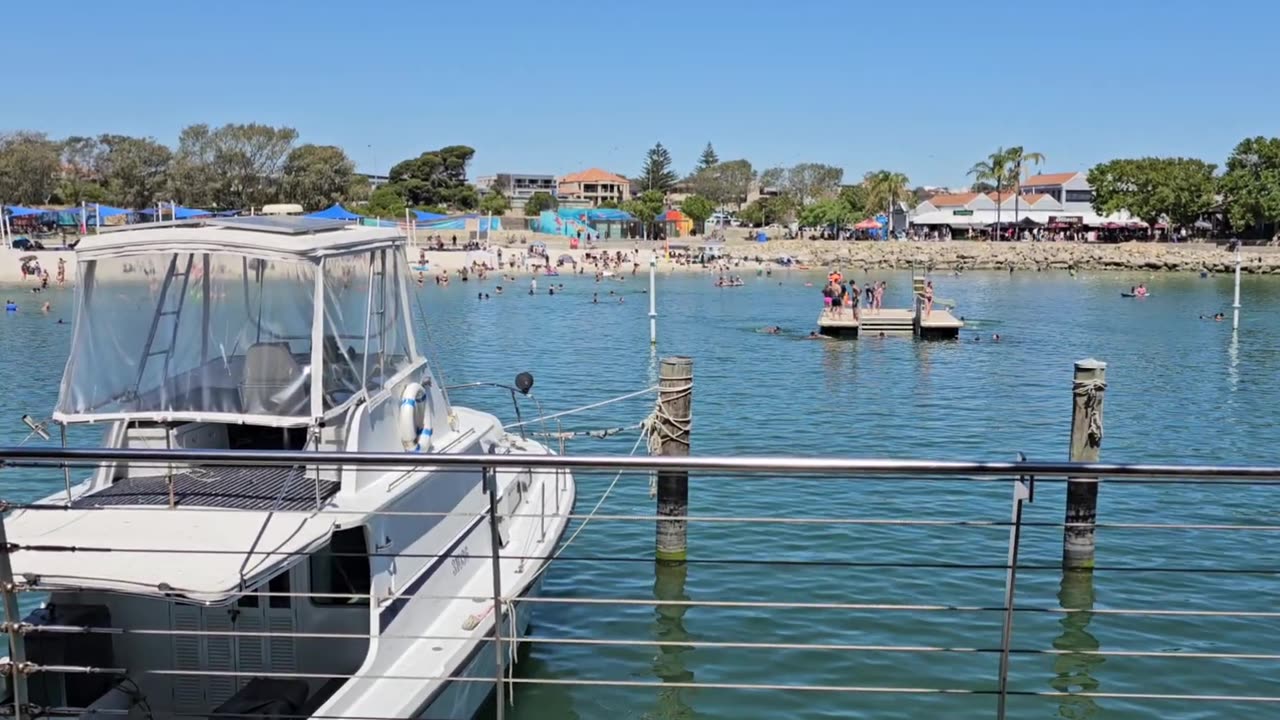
{"x":1057,"y":199}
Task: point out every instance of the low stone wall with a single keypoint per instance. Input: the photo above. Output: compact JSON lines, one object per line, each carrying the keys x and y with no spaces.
{"x":964,"y":255}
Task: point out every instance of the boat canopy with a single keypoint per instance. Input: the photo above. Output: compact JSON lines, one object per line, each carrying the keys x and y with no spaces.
{"x":215,"y":564}
{"x":278,"y":321}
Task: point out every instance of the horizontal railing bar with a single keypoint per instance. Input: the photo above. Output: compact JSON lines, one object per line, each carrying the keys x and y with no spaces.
{"x":629,"y":642}
{"x":20,"y":547}
{"x":662,"y":684}
{"x":1040,"y":469}
{"x":764,"y":604}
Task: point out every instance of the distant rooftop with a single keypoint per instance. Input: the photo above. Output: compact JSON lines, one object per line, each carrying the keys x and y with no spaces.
{"x":1050,"y":179}
{"x":594,"y":175}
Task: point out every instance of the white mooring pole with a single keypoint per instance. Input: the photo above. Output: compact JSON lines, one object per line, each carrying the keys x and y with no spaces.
{"x":1235,"y":306}
{"x":653,"y":306}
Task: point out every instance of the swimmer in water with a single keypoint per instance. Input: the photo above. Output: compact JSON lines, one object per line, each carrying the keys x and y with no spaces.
{"x":595,"y":298}
{"x":46,"y":308}
{"x":771,"y":330}
{"x":995,"y":337}
{"x":813,"y":335}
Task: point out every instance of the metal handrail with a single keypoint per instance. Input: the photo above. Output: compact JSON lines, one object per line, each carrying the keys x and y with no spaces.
{"x":1005,"y":470}
{"x":1021,"y":473}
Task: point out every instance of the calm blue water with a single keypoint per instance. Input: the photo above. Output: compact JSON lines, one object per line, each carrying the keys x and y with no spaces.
{"x":1180,"y":390}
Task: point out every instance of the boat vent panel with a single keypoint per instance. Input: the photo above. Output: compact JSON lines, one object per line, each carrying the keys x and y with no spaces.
{"x":231,"y":488}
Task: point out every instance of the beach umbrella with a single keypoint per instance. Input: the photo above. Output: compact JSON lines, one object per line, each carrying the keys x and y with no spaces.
{"x":28,"y":258}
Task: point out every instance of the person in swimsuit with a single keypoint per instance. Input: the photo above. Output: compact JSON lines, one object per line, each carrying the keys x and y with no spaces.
{"x":928,"y":298}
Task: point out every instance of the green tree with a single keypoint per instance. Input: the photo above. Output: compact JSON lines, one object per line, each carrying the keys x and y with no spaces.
{"x":657,"y":173}
{"x":385,"y":202}
{"x":767,"y":210}
{"x":29,"y":167}
{"x":81,"y":177}
{"x":232,"y":166}
{"x":1018,"y":159}
{"x":725,"y":183}
{"x":645,"y":207}
{"x":707,"y":159}
{"x":494,"y":203}
{"x":828,"y":212}
{"x":996,"y":170}
{"x":854,"y":197}
{"x":1178,"y":190}
{"x":1251,"y":184}
{"x":134,"y":170}
{"x":437,"y":177}
{"x":804,"y":183}
{"x":698,"y":209}
{"x":884,"y":189}
{"x":538,"y":202}
{"x":317,"y":176}
{"x":609,"y":204}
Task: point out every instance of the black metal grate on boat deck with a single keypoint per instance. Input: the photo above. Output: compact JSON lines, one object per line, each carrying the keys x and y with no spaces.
{"x":233,"y":488}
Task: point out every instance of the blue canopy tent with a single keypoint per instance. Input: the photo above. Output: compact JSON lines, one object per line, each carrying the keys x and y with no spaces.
{"x":425,"y":216}
{"x":178,"y":212}
{"x":16,"y":211}
{"x":335,"y":212}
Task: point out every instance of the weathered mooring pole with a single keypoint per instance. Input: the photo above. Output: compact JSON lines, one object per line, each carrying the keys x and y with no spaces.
{"x":1087,"y":390}
{"x":653,"y":301}
{"x":675,"y":417}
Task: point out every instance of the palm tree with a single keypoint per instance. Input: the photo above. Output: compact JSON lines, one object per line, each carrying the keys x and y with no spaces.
{"x":1017,"y":158}
{"x":885,"y":188}
{"x":994,"y":169}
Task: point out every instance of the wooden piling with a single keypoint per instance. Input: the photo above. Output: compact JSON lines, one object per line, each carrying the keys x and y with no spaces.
{"x":1088,"y":387}
{"x":675,"y":416}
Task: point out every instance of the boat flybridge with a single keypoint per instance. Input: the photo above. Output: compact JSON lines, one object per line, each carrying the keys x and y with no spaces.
{"x":303,"y":590}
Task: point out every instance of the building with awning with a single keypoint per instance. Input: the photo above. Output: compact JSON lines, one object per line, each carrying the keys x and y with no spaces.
{"x":972,"y":210}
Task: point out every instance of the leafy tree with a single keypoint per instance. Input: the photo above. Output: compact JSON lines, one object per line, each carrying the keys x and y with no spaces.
{"x":996,"y":170}
{"x":1251,"y":183}
{"x":982,"y":186}
{"x":609,"y":204}
{"x":385,"y":202}
{"x":827,"y":212}
{"x":1019,"y":158}
{"x":81,"y":177}
{"x":646,"y":207}
{"x":707,"y":159}
{"x":231,"y":166}
{"x":698,"y":209}
{"x":884,"y":189}
{"x":317,"y":176}
{"x":804,"y":183}
{"x":29,"y":167}
{"x":1154,"y":189}
{"x":494,"y":203}
{"x":854,"y":197}
{"x":538,"y":202}
{"x":657,"y":173}
{"x":134,"y":170}
{"x":766,"y":210}
{"x":437,"y":177}
{"x":725,"y":183}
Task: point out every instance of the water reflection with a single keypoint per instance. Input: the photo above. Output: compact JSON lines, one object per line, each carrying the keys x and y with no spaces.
{"x":1075,"y":671}
{"x":668,"y":626}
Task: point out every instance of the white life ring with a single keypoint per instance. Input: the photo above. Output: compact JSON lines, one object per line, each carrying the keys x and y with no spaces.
{"x":415,"y":420}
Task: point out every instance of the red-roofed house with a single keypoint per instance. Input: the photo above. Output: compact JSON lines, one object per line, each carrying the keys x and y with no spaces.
{"x":595,"y":186}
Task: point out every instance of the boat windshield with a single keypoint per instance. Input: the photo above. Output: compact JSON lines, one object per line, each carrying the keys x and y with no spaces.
{"x":181,"y":334}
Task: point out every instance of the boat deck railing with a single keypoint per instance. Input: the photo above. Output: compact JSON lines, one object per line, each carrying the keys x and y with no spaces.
{"x":1002,"y":490}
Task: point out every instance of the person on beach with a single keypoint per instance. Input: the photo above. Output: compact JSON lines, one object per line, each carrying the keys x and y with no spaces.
{"x":878,"y":300}
{"x":928,"y":298}
{"x":62,"y":271}
{"x":855,"y":298}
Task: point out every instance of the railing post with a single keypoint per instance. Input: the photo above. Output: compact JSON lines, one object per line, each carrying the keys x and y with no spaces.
{"x":1087,"y":389}
{"x":674,"y":418}
{"x":490,"y":477}
{"x":1023,"y":492}
{"x":17,"y":644}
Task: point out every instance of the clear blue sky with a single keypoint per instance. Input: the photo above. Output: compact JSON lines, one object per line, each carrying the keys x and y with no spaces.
{"x":560,"y":85}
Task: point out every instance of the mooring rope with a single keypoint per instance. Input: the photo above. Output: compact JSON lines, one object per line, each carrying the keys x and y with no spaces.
{"x":598,"y":434}
{"x":1091,"y":391}
{"x":584,"y":408}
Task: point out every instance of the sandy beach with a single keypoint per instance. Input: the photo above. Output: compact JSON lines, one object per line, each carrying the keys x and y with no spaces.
{"x":816,"y":254}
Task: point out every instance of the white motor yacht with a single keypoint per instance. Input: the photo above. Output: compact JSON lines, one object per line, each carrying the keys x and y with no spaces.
{"x":210,"y":590}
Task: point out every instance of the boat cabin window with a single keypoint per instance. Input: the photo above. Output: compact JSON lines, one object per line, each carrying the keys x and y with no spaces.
{"x":197,"y":332}
{"x":342,"y":568}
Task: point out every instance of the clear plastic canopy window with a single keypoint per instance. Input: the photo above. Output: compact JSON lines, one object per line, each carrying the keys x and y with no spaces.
{"x":192,"y":333}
